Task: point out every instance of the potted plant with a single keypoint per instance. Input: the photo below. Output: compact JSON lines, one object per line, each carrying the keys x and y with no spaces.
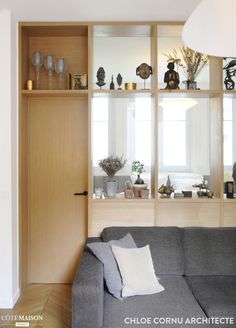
{"x":111,"y":165}
{"x":191,"y":64}
{"x":138,"y":168}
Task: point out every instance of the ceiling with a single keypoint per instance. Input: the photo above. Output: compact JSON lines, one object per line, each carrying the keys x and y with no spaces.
{"x":100,"y":10}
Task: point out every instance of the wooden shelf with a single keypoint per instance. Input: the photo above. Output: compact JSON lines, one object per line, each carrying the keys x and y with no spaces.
{"x":122,"y":93}
{"x":229,"y":93}
{"x":229,"y":200}
{"x":190,"y":93}
{"x":121,"y":197}
{"x":189,"y":200}
{"x":55,"y":93}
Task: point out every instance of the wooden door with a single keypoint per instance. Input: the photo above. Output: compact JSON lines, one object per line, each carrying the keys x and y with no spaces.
{"x":58,"y":168}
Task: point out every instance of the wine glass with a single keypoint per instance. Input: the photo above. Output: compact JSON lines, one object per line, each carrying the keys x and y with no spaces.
{"x":60,"y":70}
{"x":37,"y":61}
{"x":49,"y":64}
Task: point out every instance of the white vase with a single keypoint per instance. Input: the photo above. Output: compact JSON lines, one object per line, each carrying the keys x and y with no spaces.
{"x":138,"y":188}
{"x":111,"y":188}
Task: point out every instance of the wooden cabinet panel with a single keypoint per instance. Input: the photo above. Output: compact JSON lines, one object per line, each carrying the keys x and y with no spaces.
{"x":229,"y":214}
{"x":115,"y":213}
{"x":188,"y":214}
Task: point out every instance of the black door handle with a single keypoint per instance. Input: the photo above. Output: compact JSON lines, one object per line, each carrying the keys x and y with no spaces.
{"x":84,"y":193}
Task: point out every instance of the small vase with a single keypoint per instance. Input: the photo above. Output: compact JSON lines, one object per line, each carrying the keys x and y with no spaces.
{"x":139,"y":180}
{"x":129,"y":193}
{"x":144,"y":193}
{"x":138,"y":188}
{"x":111,"y":188}
{"x":190,"y":85}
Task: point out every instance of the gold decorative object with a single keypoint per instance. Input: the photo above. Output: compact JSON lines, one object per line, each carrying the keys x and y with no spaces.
{"x":29,"y":85}
{"x":130,"y":86}
{"x":166,"y":190}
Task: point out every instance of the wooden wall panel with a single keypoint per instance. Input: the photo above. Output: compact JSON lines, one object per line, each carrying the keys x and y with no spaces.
{"x":229,"y":214}
{"x":188,"y":214}
{"x":124,"y":213}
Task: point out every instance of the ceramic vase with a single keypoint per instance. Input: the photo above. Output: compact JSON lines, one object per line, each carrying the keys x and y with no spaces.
{"x":111,"y":188}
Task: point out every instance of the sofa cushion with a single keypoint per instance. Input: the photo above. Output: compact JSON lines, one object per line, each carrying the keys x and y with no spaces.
{"x":176,"y":301}
{"x":165,"y":245}
{"x":216,"y":294}
{"x":111,"y":272}
{"x":209,"y":251}
{"x":137,"y":271}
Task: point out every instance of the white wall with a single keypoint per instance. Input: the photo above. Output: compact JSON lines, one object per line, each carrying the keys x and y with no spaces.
{"x":104,"y":10}
{"x":9,"y":282}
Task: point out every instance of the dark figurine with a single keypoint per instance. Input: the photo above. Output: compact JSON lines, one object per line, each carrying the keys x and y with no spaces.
{"x":144,"y":71}
{"x":119,"y":81}
{"x":229,"y":83}
{"x":230,"y":71}
{"x":234,"y":173}
{"x":171,"y":77}
{"x":101,"y":77}
{"x":112,"y":86}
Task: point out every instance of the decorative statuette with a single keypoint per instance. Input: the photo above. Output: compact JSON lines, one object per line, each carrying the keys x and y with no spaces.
{"x":144,"y":71}
{"x":230,"y":71}
{"x":119,"y":81}
{"x":203,"y":189}
{"x":112,"y":86}
{"x":101,"y":77}
{"x":171,"y":77}
{"x":167,"y":189}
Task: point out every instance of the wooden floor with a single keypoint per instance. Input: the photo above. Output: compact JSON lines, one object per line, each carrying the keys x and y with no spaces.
{"x":52,"y":302}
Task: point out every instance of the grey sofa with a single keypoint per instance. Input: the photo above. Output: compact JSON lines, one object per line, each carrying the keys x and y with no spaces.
{"x":197,"y":267}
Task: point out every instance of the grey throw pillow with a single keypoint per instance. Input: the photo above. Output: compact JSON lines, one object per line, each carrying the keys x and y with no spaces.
{"x":111,"y":272}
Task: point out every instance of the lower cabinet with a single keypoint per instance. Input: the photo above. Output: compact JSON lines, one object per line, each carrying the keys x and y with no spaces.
{"x":181,"y":213}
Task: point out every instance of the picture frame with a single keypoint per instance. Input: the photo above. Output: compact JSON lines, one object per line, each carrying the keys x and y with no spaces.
{"x":78,"y":81}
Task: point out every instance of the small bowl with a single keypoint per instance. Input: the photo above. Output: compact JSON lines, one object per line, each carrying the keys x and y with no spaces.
{"x":130,"y":86}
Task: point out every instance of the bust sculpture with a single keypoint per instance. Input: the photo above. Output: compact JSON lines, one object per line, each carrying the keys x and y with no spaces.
{"x":101,"y":77}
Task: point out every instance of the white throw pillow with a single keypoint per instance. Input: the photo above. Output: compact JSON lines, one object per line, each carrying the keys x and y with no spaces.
{"x":137,"y":271}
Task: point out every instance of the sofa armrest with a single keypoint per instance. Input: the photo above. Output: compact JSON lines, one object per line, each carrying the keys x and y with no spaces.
{"x":88,"y":293}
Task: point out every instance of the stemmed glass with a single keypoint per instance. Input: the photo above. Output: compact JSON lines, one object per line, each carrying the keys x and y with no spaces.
{"x":60,"y":70}
{"x":49,"y":64}
{"x":37,"y":61}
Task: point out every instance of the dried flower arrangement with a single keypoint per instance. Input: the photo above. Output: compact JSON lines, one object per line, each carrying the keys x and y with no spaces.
{"x":193,"y":62}
{"x":111,"y":165}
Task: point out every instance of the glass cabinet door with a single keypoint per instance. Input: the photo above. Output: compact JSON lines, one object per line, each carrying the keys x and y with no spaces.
{"x":122,"y":126}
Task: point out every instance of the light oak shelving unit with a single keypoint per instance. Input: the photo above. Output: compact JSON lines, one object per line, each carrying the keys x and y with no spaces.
{"x":75,"y":42}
